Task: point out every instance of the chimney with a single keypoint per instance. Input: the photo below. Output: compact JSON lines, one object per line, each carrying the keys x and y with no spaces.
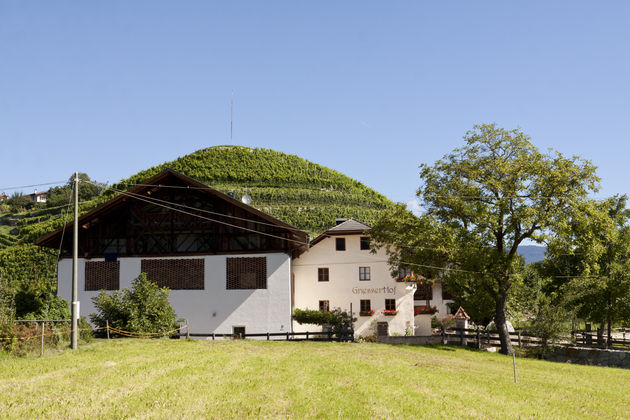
{"x":339,"y":221}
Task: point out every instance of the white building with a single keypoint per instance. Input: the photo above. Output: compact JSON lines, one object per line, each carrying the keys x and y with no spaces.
{"x":339,"y":270}
{"x":228,"y":265}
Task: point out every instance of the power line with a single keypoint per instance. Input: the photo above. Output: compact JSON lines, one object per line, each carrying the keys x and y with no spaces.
{"x":148,"y":200}
{"x":198,"y":209}
{"x":33,"y":185}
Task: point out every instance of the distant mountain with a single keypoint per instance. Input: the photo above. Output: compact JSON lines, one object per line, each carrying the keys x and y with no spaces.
{"x":532,"y":253}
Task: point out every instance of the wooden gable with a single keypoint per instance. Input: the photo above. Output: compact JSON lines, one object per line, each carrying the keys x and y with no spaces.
{"x":172,"y":214}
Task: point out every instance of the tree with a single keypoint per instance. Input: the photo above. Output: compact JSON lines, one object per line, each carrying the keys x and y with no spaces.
{"x":592,"y":258}
{"x":144,"y":308}
{"x":59,"y":196}
{"x":337,"y":319}
{"x":482,"y":201}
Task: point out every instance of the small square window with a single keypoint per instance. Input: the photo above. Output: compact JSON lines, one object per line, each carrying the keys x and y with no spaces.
{"x":390,"y":304}
{"x":340,"y":244}
{"x":322,"y":274}
{"x":365,"y":242}
{"x":364,"y":273}
{"x":324,"y":305}
{"x":366,"y":305}
{"x":238,"y":332}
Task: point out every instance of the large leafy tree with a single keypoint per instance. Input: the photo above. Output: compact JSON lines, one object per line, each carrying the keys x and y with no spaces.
{"x":591,"y":260}
{"x":482,"y":201}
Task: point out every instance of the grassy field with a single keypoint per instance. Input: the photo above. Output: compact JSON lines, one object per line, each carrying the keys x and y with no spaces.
{"x":188,"y":379}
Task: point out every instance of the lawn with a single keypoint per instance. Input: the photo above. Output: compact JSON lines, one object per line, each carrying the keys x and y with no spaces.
{"x":244,"y":378}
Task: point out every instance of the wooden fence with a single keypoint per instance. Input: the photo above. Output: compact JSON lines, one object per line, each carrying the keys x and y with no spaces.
{"x":345,"y":335}
{"x":480,"y":338}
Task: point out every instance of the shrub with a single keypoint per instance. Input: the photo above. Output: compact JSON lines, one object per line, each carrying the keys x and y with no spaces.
{"x":337,"y":319}
{"x":142,"y":309}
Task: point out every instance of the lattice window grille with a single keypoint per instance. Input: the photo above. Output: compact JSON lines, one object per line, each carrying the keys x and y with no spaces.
{"x":246,"y":273}
{"x":102,"y":275}
{"x":176,"y":274}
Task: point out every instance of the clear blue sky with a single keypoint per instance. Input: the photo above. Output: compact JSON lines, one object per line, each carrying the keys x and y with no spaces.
{"x":371,"y":89}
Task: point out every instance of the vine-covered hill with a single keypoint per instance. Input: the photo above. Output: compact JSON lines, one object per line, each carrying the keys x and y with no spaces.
{"x":302,"y":193}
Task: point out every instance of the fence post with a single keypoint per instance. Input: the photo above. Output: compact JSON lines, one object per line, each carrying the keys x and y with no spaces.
{"x":287,"y":335}
{"x":107,"y":328}
{"x":444,"y":342}
{"x":478,"y":339}
{"x":187,"y":330}
{"x":462,"y":335}
{"x":213,"y":336}
{"x":41,"y":350}
{"x":267,"y":335}
{"x":520,"y":344}
{"x":307,"y":335}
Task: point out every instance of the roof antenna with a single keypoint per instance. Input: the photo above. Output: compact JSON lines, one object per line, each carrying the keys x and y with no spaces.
{"x":231,"y":116}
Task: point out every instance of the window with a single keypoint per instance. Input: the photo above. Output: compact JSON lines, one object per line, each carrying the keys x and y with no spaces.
{"x":404,"y":272}
{"x":246,"y":273}
{"x":340,"y":244}
{"x":324,"y":305}
{"x":424,"y":292}
{"x":238,"y":332}
{"x":176,"y":274}
{"x":446,"y":295}
{"x":365,"y":242}
{"x":390,"y":304}
{"x":102,"y":275}
{"x":364,"y":273}
{"x":365,"y":305}
{"x":322,"y":274}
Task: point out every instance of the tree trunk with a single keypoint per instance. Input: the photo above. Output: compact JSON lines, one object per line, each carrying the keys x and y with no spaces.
{"x":500,"y":321}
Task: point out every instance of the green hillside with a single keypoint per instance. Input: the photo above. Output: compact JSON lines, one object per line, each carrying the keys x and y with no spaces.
{"x":302,"y":193}
{"x":296,"y":191}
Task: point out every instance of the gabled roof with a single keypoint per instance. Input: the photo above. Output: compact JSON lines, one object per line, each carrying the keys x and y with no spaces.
{"x":154,"y":183}
{"x":461,"y":314}
{"x":349,"y":227}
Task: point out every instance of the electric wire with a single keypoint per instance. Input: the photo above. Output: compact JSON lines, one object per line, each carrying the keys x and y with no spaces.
{"x":149,"y":200}
{"x":197,"y":209}
{"x":32,"y":185}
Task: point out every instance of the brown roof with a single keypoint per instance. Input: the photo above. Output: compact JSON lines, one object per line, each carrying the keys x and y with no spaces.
{"x":349,"y":227}
{"x":155,"y":182}
{"x":461,"y":314}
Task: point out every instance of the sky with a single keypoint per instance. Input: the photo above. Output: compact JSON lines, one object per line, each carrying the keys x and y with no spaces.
{"x":369,"y":88}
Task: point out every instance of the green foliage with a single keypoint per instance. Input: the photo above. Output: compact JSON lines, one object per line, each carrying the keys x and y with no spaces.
{"x":17,"y":264}
{"x":40,"y":304}
{"x":144,"y":308}
{"x":549,"y":323}
{"x":337,"y":319}
{"x":591,"y":258}
{"x":482,"y":201}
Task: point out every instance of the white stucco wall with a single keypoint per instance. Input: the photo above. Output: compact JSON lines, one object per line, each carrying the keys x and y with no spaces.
{"x":441,"y":304}
{"x":344,"y":286}
{"x":213,"y":309}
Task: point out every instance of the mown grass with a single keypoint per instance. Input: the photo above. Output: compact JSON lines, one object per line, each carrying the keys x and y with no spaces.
{"x":235,"y":379}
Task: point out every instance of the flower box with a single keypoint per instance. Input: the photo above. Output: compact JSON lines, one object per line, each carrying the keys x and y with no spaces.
{"x":424,"y":310}
{"x":390,"y":312}
{"x":366,"y":313}
{"x":408,"y":279}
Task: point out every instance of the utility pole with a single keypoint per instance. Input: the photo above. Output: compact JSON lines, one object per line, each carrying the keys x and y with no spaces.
{"x":75,"y":264}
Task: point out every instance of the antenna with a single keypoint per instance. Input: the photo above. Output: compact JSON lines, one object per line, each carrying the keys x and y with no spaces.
{"x":231,"y":116}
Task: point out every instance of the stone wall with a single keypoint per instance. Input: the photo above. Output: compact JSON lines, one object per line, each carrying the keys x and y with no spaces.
{"x":589,"y":356}
{"x":393,"y":339}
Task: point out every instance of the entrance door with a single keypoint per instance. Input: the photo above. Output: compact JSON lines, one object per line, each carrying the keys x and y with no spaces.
{"x":382,"y":329}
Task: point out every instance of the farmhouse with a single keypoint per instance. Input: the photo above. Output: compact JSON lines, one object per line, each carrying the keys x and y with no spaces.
{"x":39,"y":196}
{"x":339,"y":270}
{"x":228,"y":265}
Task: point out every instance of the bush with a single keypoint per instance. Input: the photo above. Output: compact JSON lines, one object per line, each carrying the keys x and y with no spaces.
{"x":337,"y":319}
{"x":142,"y":309}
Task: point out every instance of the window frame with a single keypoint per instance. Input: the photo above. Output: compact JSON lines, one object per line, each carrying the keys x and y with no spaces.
{"x":365,"y":305}
{"x":340,"y":244}
{"x":364,"y":243}
{"x":323,"y":274}
{"x":324,"y":305}
{"x":365,"y":274}
{"x":390,"y":304}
